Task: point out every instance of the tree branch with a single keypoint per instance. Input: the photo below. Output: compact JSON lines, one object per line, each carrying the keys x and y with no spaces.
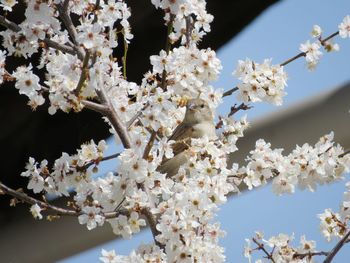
{"x":84,"y":73}
{"x":63,"y":13}
{"x":9,"y":24}
{"x":15,"y":28}
{"x":286,"y":62}
{"x":44,"y":205}
{"x":113,"y":117}
{"x":61,"y":47}
{"x":262,"y":248}
{"x":336,"y":249}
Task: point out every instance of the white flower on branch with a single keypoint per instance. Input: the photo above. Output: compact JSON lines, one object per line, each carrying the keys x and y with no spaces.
{"x":316,"y":31}
{"x":261,"y":82}
{"x":312,"y":51}
{"x":36,"y":211}
{"x":91,"y":217}
{"x":8,"y":4}
{"x":344,"y":27}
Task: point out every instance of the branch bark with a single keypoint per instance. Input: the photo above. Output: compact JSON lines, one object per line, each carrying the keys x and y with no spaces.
{"x":57,"y":210}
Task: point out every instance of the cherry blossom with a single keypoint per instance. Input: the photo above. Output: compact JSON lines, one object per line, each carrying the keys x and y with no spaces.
{"x":260,"y":82}
{"x":81,"y":71}
{"x":344,"y":27}
{"x":35,"y":210}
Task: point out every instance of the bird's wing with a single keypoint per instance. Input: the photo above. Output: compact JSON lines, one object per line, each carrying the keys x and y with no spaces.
{"x":181,"y":132}
{"x":182,"y":137}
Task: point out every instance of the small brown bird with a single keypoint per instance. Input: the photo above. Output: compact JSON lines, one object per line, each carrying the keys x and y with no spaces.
{"x":198,"y":122}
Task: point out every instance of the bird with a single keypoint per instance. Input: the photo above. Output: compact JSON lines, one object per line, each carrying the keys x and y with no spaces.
{"x":197,"y":123}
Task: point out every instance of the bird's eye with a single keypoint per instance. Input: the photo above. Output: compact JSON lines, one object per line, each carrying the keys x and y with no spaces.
{"x":202,"y":106}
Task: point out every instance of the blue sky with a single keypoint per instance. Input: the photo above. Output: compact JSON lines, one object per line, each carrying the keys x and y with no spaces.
{"x":276,"y":34}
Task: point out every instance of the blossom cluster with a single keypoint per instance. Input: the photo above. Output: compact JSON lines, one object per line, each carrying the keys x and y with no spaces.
{"x":97,"y":31}
{"x":188,"y":16}
{"x":332,"y":225}
{"x":188,"y":72}
{"x":79,"y":66}
{"x":282,"y":249}
{"x":312,"y":49}
{"x":305,"y":167}
{"x":144,"y":253}
{"x":67,"y":172}
{"x":260,"y":82}
{"x":266,"y":82}
{"x":335,"y":225}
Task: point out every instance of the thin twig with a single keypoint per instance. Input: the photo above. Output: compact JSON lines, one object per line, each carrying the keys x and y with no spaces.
{"x":126,"y":47}
{"x":106,"y":158}
{"x":262,"y":248}
{"x":14,"y":27}
{"x":299,"y":55}
{"x":84,"y":73}
{"x":64,"y":15}
{"x":336,"y":249}
{"x":229,"y":92}
{"x":58,"y":46}
{"x":323,"y":41}
{"x":58,"y":210}
{"x":113,"y":117}
{"x":149,"y":145}
{"x":103,"y":109}
{"x":138,"y":114}
{"x":9,"y":24}
{"x":310,"y":254}
{"x":234,"y":109}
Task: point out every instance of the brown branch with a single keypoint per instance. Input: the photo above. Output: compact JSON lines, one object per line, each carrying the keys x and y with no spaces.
{"x":189,"y":27}
{"x":44,"y":205}
{"x":301,"y":54}
{"x":229,"y":92}
{"x":109,"y":157}
{"x":138,"y":114}
{"x":113,"y":117}
{"x":124,"y":60}
{"x":310,"y":254}
{"x":61,"y":47}
{"x":9,"y":24}
{"x":14,"y":27}
{"x":84,"y":73}
{"x":234,"y":109}
{"x":262,"y":248}
{"x":149,"y":145}
{"x":103,"y":109}
{"x":336,"y":249}
{"x":65,"y":5}
{"x":323,"y":41}
{"x":152,"y":222}
{"x":67,"y":21}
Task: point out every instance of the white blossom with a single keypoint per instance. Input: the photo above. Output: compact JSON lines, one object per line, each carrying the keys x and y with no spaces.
{"x":344,"y":27}
{"x":36,"y":211}
{"x":91,"y":217}
{"x":261,"y":82}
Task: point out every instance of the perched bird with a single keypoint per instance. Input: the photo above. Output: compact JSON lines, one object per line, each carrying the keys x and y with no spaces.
{"x":198,"y":122}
